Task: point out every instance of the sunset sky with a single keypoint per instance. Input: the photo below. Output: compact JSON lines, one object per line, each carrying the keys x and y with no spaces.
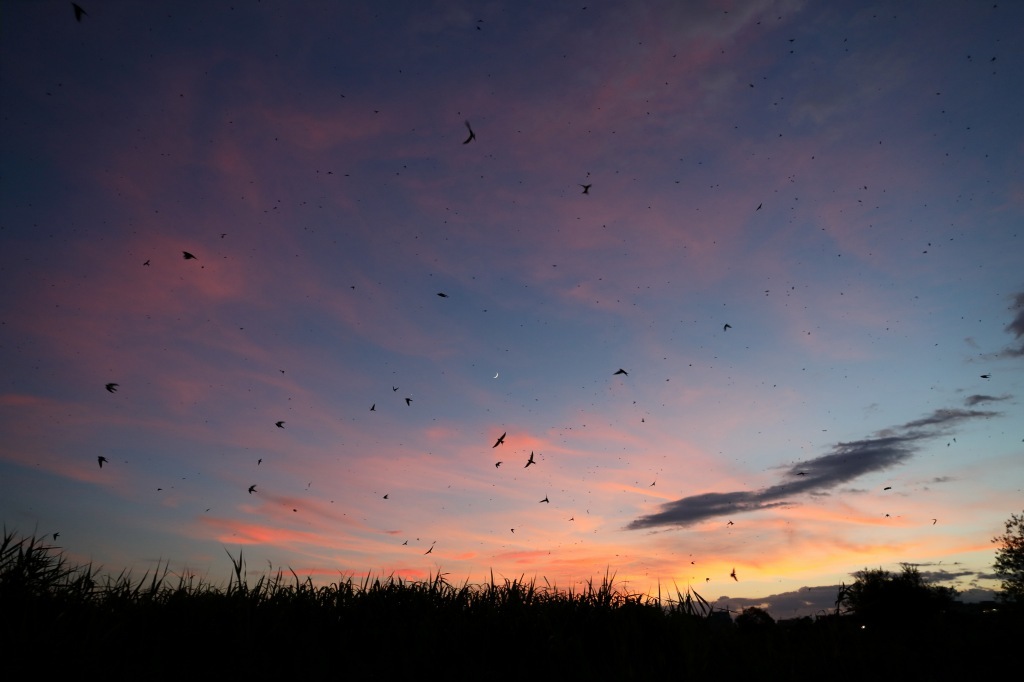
{"x":840,"y":183}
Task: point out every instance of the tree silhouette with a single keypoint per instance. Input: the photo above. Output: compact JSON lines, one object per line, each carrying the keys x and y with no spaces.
{"x":1009,"y":563}
{"x":754,"y":619}
{"x":878,"y":596}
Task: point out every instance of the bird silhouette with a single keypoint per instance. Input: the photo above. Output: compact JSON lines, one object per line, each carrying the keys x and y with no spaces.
{"x":101,"y":459}
{"x":79,"y":12}
{"x":530,"y":461}
{"x":934,"y":521}
{"x":280,"y":424}
{"x":56,"y":535}
{"x":112,"y":387}
{"x":727,"y":326}
{"x":497,"y":464}
{"x":385,"y":497}
{"x":147,"y":262}
{"x":472,"y":135}
{"x":586,"y":189}
{"x":888,"y":487}
{"x":801,"y":473}
{"x":986,"y":376}
{"x":406,"y":542}
{"x":730,"y":524}
{"x":545,"y":500}
{"x":733,"y":575}
{"x":187,"y":256}
{"x":373,"y":408}
{"x":395,"y":389}
{"x":252,"y":489}
{"x":621,"y":371}
{"x":408,"y":401}
{"x":758,"y":207}
{"x":429,"y":550}
{"x":501,"y":439}
{"x":442,"y":294}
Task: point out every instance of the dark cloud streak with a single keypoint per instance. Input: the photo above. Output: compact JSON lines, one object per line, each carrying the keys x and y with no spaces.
{"x":1016,"y":328}
{"x":977,"y":399}
{"x":845,"y":462}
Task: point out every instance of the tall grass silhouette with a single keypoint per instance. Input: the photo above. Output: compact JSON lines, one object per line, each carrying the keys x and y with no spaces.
{"x":76,"y":618}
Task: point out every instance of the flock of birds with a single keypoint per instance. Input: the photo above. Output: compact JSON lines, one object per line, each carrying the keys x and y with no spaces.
{"x":112,"y":387}
{"x":186,"y":255}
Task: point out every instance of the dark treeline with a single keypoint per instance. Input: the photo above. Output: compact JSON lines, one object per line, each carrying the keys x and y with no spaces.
{"x":68,"y":619}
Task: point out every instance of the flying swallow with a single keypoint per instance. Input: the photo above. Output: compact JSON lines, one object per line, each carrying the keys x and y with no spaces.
{"x":395,"y":389}
{"x":385,"y":497}
{"x":79,"y":12}
{"x":733,"y":575}
{"x":530,"y":461}
{"x":259,"y":461}
{"x":429,"y":550}
{"x":621,"y":371}
{"x":252,"y":488}
{"x":56,"y":535}
{"x":501,"y":439}
{"x":758,"y":207}
{"x":101,"y":459}
{"x":801,"y":473}
{"x":280,"y":424}
{"x":408,"y":401}
{"x":497,"y":464}
{"x":406,"y":542}
{"x":472,"y":135}
{"x":730,"y":524}
{"x":651,"y":485}
{"x":586,"y":189}
{"x":986,"y":376}
{"x":888,"y":487}
{"x":373,"y":408}
{"x":112,"y":387}
{"x":186,"y":255}
{"x":727,"y":326}
{"x":442,"y":294}
{"x":934,"y":521}
{"x":147,"y":262}
{"x":545,"y":500}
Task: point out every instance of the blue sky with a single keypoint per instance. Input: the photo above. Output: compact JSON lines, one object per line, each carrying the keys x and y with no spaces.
{"x":841,"y":184}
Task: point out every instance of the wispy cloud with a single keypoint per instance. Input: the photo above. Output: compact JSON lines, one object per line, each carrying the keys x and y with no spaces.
{"x":977,"y":399}
{"x":1016,"y":328}
{"x":845,"y":462}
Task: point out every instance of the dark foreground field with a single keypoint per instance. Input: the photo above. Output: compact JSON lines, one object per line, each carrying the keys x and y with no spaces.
{"x":61,"y":620}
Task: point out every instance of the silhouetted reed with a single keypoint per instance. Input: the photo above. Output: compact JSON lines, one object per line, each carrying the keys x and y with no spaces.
{"x":165,"y":625}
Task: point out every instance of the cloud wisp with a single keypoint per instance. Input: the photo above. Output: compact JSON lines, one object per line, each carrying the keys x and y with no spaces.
{"x":1016,"y":328}
{"x":979,"y":398}
{"x":845,"y":462}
